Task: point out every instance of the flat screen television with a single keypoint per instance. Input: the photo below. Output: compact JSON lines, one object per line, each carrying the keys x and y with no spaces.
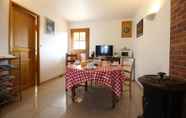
{"x":104,"y":50}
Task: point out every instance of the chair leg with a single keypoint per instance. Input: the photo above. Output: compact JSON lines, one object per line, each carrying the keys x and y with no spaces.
{"x":130,"y":89}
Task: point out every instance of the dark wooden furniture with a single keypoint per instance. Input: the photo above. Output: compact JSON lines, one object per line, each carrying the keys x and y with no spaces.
{"x":163,"y":97}
{"x":10,"y":88}
{"x":111,"y":59}
{"x":71,"y":58}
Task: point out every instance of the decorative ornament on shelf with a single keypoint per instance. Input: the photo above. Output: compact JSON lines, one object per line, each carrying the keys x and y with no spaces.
{"x":162,"y":75}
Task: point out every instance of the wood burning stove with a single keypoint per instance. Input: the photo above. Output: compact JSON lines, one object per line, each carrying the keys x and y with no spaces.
{"x":163,"y":97}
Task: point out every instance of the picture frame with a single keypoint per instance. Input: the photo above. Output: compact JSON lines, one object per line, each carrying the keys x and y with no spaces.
{"x":140,"y":28}
{"x":126,"y":29}
{"x":49,"y":26}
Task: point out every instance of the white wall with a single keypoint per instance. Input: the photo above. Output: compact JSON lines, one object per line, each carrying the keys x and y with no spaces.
{"x":4,"y":26}
{"x":105,"y":32}
{"x":52,"y":47}
{"x":152,"y":49}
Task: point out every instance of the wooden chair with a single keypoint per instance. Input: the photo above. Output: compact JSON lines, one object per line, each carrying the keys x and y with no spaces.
{"x":128,"y":69}
{"x":115,"y":60}
{"x":71,"y":58}
{"x":82,"y":56}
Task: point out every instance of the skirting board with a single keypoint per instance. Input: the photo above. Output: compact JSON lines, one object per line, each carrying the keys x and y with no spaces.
{"x":59,"y":76}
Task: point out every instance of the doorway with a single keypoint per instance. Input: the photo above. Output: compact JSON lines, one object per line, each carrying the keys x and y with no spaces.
{"x":80,"y":41}
{"x":24,"y":43}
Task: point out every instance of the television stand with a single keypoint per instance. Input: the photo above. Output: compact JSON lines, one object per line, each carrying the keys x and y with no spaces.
{"x":109,"y":58}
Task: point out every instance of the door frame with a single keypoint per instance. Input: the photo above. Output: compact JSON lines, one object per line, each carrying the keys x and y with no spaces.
{"x":87,"y":30}
{"x":37,"y":42}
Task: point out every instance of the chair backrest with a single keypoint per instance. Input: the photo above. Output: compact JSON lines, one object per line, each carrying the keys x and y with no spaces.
{"x":71,"y":58}
{"x":115,"y":60}
{"x":128,"y":66}
{"x":82,"y":56}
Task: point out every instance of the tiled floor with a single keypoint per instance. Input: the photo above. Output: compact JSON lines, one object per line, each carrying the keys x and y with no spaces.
{"x":51,"y":101}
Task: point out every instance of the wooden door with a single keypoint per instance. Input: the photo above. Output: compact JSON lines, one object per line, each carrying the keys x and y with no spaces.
{"x":23,"y":43}
{"x":80,"y":41}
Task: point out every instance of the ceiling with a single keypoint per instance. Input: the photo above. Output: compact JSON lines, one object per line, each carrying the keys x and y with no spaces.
{"x":90,"y":10}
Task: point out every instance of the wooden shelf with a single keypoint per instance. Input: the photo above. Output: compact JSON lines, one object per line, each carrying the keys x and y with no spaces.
{"x":9,"y":83}
{"x":7,"y":57}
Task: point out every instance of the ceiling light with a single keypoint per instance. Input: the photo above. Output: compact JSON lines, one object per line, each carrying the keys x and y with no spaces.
{"x":155,"y":8}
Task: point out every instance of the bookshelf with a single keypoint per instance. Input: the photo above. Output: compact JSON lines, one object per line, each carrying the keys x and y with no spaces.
{"x":10,"y":82}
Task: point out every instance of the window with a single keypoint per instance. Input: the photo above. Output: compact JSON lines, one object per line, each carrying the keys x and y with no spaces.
{"x":79,"y":40}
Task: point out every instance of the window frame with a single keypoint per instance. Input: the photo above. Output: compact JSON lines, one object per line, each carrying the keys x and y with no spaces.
{"x":86,"y":50}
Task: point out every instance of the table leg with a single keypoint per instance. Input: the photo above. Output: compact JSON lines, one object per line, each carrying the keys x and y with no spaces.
{"x":91,"y":83}
{"x":113,"y":100}
{"x":86,"y":86}
{"x":73,"y":93}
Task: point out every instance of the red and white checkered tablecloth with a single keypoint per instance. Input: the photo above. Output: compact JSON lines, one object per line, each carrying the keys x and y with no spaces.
{"x":112,"y":77}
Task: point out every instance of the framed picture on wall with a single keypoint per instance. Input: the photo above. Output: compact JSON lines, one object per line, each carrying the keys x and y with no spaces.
{"x":126,"y":29}
{"x":140,"y":28}
{"x":49,"y":26}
